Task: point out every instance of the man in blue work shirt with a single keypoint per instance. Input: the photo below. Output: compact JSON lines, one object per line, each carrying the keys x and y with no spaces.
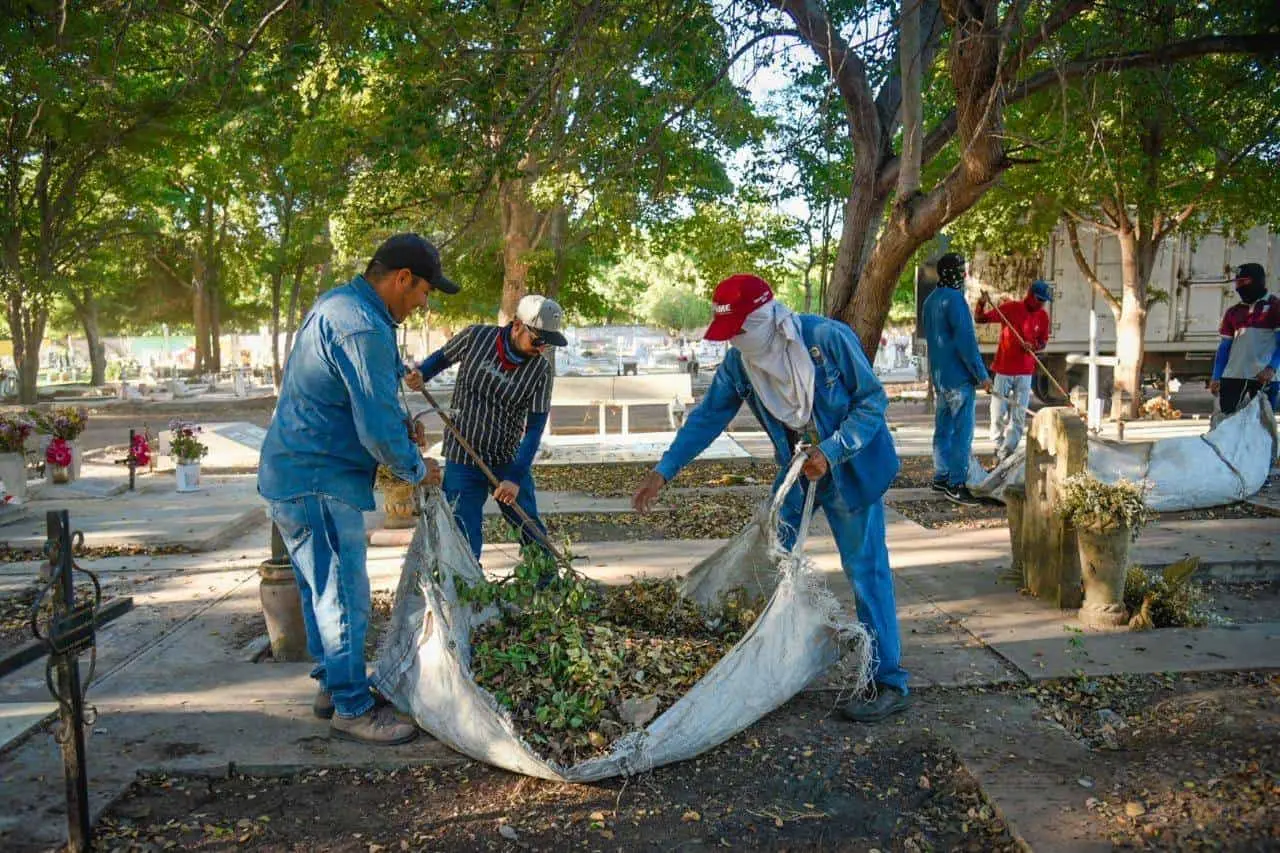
{"x":806,"y":379}
{"x":956,"y":369}
{"x":500,"y":405}
{"x":337,"y":419}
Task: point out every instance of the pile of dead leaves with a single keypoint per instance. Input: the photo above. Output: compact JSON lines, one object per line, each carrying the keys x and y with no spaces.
{"x":578,"y":665}
{"x":1160,"y":409}
{"x":92,"y":552}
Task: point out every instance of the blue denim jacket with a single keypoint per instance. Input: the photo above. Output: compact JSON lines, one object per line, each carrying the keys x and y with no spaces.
{"x":848,"y":412}
{"x":954,"y":360}
{"x":339,"y":414}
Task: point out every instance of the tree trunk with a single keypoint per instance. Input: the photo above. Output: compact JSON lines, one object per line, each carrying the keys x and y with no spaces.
{"x":200,"y":310}
{"x":863,"y":213}
{"x":517,"y":228}
{"x":26,"y":326}
{"x":87,"y":310}
{"x":1137,"y":258}
{"x":291,"y":314}
{"x":215,"y":333}
{"x":559,"y":241}
{"x":276,"y":368}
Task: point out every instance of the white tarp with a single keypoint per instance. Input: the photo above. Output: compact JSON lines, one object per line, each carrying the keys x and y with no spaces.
{"x":1226,"y":464}
{"x":424,"y":664}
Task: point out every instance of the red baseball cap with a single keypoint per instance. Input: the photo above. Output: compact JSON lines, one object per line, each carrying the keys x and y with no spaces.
{"x":735,"y":298}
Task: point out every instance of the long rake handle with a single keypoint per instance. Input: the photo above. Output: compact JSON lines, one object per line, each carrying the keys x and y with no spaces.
{"x":525,"y":520}
{"x":1031,"y":352}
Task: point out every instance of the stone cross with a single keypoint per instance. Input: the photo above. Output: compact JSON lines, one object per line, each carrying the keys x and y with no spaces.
{"x":1057,"y":447}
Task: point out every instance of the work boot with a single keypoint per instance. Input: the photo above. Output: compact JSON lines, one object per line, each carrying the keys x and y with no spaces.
{"x":322,"y":707}
{"x":379,"y":726}
{"x":961,"y":495}
{"x":886,"y":702}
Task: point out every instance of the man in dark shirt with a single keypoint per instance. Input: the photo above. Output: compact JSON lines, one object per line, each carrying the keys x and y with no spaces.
{"x":501,"y":402}
{"x":1249,"y":353}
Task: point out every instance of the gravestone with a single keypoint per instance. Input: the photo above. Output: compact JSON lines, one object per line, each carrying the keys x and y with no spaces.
{"x":1057,"y":448}
{"x":232,"y":446}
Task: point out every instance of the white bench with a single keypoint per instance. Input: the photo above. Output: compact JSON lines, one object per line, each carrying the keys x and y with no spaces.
{"x":674,"y":390}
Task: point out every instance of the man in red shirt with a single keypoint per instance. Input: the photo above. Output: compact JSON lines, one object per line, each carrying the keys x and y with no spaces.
{"x":1015,"y":364}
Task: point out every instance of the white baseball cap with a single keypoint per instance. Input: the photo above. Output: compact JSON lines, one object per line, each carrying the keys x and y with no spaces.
{"x":544,"y":316}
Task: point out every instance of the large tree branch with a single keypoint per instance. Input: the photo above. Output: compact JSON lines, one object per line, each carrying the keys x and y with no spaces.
{"x":937,"y":139}
{"x":845,"y":67}
{"x":889,"y":101}
{"x":1087,"y":271}
{"x":1054,"y":21}
{"x":1256,"y":43}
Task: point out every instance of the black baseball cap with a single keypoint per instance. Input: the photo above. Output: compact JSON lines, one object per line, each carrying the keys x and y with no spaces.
{"x":416,"y":254}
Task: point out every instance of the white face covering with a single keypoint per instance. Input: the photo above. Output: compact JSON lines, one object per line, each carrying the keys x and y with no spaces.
{"x":777,"y":363}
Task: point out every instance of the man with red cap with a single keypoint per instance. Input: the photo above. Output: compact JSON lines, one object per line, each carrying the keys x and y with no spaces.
{"x":810,"y":386}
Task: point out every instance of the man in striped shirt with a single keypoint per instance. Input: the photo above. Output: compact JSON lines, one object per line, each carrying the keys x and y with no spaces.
{"x":500,"y":405}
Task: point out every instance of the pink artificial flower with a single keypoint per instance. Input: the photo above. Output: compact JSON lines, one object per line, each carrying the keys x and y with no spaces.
{"x":59,"y":453}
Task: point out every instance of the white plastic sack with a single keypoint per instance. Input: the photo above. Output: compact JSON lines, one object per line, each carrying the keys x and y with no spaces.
{"x":424,"y":664}
{"x":1226,"y":464}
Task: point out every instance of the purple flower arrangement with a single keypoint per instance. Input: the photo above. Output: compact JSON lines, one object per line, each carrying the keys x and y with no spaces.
{"x":14,"y":430}
{"x":65,"y":422}
{"x":184,"y":445}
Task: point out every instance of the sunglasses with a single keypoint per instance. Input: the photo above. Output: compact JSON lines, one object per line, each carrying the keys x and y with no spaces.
{"x":534,"y":338}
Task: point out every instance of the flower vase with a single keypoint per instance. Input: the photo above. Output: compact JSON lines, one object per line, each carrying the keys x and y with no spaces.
{"x":76,"y":456}
{"x":188,"y":475}
{"x":1104,"y":562}
{"x":58,"y":473}
{"x":13,"y":471}
{"x":399,"y":505}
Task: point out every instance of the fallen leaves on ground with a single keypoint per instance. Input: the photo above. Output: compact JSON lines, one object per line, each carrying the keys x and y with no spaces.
{"x":1193,"y":760}
{"x":94,"y":552}
{"x":15,"y":614}
{"x":682,"y":517}
{"x":943,"y":514}
{"x":617,"y":480}
{"x":802,"y":785}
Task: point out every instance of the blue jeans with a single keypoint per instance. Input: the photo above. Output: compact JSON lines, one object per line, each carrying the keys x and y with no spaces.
{"x":466,"y":488}
{"x":953,"y":434}
{"x":326,"y":543}
{"x":1007,"y":421}
{"x":860,"y":538}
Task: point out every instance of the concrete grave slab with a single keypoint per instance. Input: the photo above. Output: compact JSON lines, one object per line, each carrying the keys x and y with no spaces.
{"x":233,"y":446}
{"x":155,"y":515}
{"x":16,"y":718}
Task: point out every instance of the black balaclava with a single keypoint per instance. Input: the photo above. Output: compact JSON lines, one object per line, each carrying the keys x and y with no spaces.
{"x":1251,"y":283}
{"x":951,"y":270}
